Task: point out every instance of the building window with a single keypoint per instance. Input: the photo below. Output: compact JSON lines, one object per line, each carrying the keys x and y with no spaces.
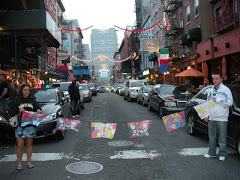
{"x":181,"y":22}
{"x":196,"y":7}
{"x":188,"y":13}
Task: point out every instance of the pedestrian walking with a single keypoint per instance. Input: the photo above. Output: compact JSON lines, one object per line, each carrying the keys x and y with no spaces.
{"x":74,"y":96}
{"x":218,"y":120}
{"x":24,"y":102}
{"x":12,"y":93}
{"x":4,"y":88}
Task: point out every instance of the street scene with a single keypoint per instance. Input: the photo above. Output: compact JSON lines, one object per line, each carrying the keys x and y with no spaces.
{"x":124,"y":89}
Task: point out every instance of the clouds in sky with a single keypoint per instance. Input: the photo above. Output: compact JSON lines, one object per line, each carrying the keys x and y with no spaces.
{"x":102,"y":14}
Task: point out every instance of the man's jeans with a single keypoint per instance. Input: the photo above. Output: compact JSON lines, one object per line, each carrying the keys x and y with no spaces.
{"x":4,"y":105}
{"x":74,"y":104}
{"x":217,"y":128}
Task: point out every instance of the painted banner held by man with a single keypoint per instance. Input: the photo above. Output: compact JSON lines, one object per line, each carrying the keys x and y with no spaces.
{"x":103,"y":130}
{"x":205,"y":109}
{"x":66,"y":124}
{"x":139,"y":129}
{"x":31,"y":118}
{"x":174,"y":121}
{"x":150,"y":45}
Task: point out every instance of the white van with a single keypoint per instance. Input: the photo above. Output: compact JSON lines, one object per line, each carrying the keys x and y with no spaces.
{"x":131,"y":89}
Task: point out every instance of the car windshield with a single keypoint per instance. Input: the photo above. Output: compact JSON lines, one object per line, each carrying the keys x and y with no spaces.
{"x":177,"y":91}
{"x":137,"y":83}
{"x":61,"y":86}
{"x":120,"y":85}
{"x":43,"y":96}
{"x":147,"y":89}
{"x":91,"y":85}
{"x":84,"y":87}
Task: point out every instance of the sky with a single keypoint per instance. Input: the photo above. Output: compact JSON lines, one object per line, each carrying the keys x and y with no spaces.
{"x":102,"y":14}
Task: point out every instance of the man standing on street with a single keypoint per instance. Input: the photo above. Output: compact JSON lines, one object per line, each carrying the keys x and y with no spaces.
{"x":4,"y":88}
{"x":218,"y":121}
{"x":74,"y":96}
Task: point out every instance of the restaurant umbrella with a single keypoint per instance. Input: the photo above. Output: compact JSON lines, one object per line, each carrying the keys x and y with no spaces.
{"x":205,"y":72}
{"x":4,"y":72}
{"x":190,"y":72}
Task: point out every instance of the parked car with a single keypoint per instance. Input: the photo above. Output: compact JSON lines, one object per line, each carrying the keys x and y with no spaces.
{"x":87,"y":93}
{"x":63,"y":86}
{"x":97,"y":88}
{"x":131,"y":89}
{"x":52,"y":102}
{"x":103,"y":89}
{"x":93,"y":88}
{"x":167,"y":99}
{"x":120,"y":89}
{"x":195,"y":124}
{"x":143,"y":94}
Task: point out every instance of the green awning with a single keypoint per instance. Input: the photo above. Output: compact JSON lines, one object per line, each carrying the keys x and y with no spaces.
{"x":194,"y":34}
{"x":184,"y":40}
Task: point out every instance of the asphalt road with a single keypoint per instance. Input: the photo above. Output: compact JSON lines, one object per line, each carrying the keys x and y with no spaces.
{"x":162,"y":155}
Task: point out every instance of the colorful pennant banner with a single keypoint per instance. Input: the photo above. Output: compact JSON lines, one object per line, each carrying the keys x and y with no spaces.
{"x":103,"y":130}
{"x":139,"y":129}
{"x":66,"y":124}
{"x":31,"y":118}
{"x":174,"y":121}
{"x":138,"y":30}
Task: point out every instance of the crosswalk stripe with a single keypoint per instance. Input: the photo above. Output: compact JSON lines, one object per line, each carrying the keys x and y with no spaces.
{"x":38,"y":157}
{"x":135,"y":154}
{"x":201,"y":151}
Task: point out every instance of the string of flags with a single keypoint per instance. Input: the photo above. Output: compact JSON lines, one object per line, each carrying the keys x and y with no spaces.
{"x":136,"y":129}
{"x":83,"y":60}
{"x":107,"y":130}
{"x":128,"y":30}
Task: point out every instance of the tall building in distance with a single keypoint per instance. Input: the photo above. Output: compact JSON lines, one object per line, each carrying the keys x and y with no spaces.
{"x":104,"y":44}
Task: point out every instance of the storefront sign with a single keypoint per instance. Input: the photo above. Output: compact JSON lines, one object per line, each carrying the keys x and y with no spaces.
{"x":146,"y":72}
{"x":150,"y":45}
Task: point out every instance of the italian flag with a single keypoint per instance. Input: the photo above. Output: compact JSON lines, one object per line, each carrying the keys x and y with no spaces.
{"x":163,"y":60}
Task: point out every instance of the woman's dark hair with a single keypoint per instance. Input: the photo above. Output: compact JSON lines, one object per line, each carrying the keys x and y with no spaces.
{"x":20,"y":95}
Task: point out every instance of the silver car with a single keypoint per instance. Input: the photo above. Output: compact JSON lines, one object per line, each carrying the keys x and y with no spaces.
{"x":143,"y":94}
{"x":87,"y":93}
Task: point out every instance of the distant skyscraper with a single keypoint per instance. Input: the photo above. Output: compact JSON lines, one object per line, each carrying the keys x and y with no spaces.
{"x":104,"y":44}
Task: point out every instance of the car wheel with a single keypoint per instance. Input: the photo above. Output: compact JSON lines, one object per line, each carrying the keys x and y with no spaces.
{"x":238,"y":147}
{"x":149,"y":106}
{"x":82,"y":106}
{"x":191,"y":124}
{"x":60,"y":135}
{"x":160,"y":111}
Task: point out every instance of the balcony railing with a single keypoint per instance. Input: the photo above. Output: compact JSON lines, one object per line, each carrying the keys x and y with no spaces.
{"x":226,"y":20}
{"x":171,"y":5}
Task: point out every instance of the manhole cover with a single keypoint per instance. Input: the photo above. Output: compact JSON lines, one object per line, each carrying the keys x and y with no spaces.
{"x":84,"y":167}
{"x":120,"y":143}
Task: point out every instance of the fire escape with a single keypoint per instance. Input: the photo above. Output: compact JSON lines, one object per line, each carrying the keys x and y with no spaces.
{"x":172,"y":28}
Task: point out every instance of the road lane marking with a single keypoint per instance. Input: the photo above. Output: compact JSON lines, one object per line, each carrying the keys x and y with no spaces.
{"x":39,"y":157}
{"x":134,"y":154}
{"x":201,"y":151}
